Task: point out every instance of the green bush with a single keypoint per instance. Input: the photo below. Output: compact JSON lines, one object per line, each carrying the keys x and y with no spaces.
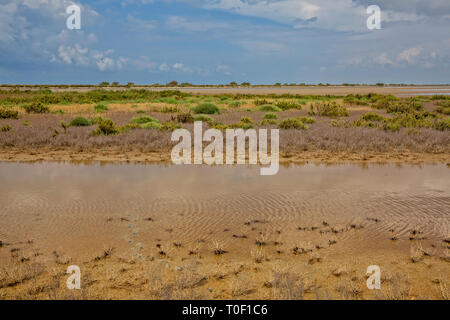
{"x":270,"y":116}
{"x":8,"y":114}
{"x":143,"y":119}
{"x":80,"y":122}
{"x":247,"y":120}
{"x":261,"y":102}
{"x":203,"y":118}
{"x":330,"y":109}
{"x":101,"y":108}
{"x":444,"y":108}
{"x":105,"y":127}
{"x":150,"y":125}
{"x":442,"y":124}
{"x":6,"y":128}
{"x":206,"y":108}
{"x":292,"y":123}
{"x":269,"y":108}
{"x":170,"y":126}
{"x":36,"y":107}
{"x":235,"y":104}
{"x":265,"y":122}
{"x":287,"y":105}
{"x":307,"y":120}
{"x":241,"y":125}
{"x":167,"y":109}
{"x":371,"y":116}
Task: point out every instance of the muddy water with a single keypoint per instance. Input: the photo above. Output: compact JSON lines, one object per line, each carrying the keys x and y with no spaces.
{"x":80,"y":209}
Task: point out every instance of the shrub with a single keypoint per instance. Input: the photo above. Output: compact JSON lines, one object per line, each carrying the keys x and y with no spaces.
{"x":184,"y":118}
{"x":444,"y":109}
{"x":143,"y":119}
{"x":269,"y":108}
{"x":241,"y":125}
{"x":167,"y":109}
{"x":307,"y":120}
{"x":235,"y":104}
{"x":80,"y":122}
{"x":330,"y":109}
{"x":150,"y":125}
{"x":246,"y":120}
{"x":105,"y":127}
{"x":261,"y":102}
{"x":206,"y":108}
{"x":203,"y":118}
{"x":287,"y":105}
{"x":170,"y":126}
{"x":6,"y":128}
{"x":270,"y":116}
{"x":340,"y":123}
{"x":292,"y":123}
{"x":8,"y":114}
{"x":265,"y":122}
{"x":101,"y":108}
{"x":442,"y":124}
{"x":36,"y":107}
{"x":372,"y":117}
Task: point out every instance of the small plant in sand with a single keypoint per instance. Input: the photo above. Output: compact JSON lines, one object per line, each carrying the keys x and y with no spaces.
{"x":270,"y":116}
{"x":106,"y":127}
{"x":287,"y":105}
{"x":203,"y":118}
{"x":292,"y":123}
{"x":218,"y":248}
{"x":80,"y":122}
{"x":329,"y":109}
{"x":206,"y":108}
{"x":8,"y":114}
{"x":5,"y":128}
{"x":269,"y":108}
{"x":168,"y":109}
{"x":36,"y":107}
{"x":143,"y":119}
{"x":101,"y":107}
{"x":184,"y":118}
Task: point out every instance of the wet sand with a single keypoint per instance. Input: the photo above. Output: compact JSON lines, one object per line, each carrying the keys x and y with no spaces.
{"x":160,"y":232}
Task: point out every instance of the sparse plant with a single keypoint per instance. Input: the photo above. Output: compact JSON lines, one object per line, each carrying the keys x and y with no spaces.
{"x":206,"y":108}
{"x":292,"y":123}
{"x":8,"y":114}
{"x":329,"y":109}
{"x":36,"y":107}
{"x":80,"y":122}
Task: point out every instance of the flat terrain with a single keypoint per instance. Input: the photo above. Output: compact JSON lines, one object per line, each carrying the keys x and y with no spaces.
{"x":354,"y":127}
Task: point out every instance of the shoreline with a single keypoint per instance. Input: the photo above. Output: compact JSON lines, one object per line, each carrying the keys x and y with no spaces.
{"x":163,"y":157}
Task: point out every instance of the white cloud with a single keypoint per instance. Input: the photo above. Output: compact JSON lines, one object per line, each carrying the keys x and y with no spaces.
{"x":409,"y":55}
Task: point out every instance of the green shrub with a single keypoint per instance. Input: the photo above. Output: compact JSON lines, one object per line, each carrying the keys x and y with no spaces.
{"x":101,"y":108}
{"x":444,"y":108}
{"x":261,"y":102}
{"x":442,"y":124}
{"x":206,"y":108}
{"x":36,"y":107}
{"x":371,"y":116}
{"x":170,"y":126}
{"x":269,"y":108}
{"x":235,"y":104}
{"x":241,"y":125}
{"x":330,"y":109}
{"x":8,"y":114}
{"x":307,"y":120}
{"x":203,"y":118}
{"x":292,"y":123}
{"x":150,"y":125}
{"x":105,"y":127}
{"x":59,"y":111}
{"x":246,"y":120}
{"x":167,"y":109}
{"x":80,"y":122}
{"x":265,"y":122}
{"x":287,"y":105}
{"x":27,"y":123}
{"x":6,"y":128}
{"x":143,"y":119}
{"x":340,"y":123}
{"x":270,"y":116}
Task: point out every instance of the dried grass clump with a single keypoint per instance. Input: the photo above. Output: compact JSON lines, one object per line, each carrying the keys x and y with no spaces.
{"x":329,"y":109}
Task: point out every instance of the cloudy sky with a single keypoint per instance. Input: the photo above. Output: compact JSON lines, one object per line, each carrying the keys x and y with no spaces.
{"x":218,"y":41}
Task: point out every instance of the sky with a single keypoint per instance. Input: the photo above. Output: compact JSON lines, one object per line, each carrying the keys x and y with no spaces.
{"x":219,"y":41}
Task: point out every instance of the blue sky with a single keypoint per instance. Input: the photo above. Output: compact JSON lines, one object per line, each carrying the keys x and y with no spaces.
{"x":219,"y":41}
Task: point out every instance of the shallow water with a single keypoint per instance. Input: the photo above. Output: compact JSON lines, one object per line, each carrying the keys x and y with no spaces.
{"x":77,"y":208}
